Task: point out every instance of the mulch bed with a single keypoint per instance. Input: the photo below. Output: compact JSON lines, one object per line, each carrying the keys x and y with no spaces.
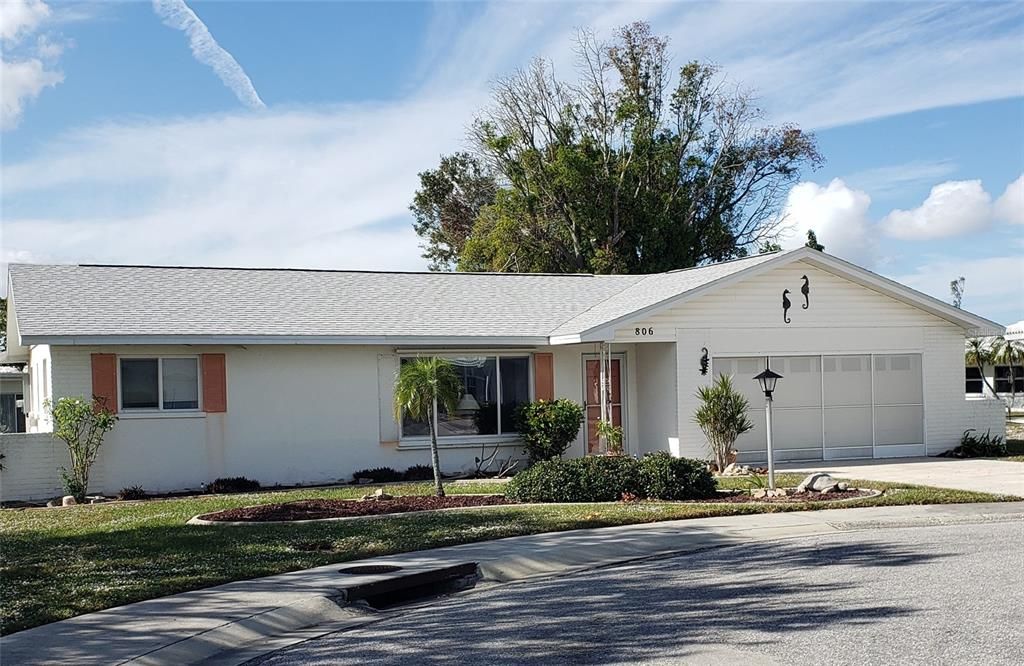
{"x":743,"y":497}
{"x":319,"y":509}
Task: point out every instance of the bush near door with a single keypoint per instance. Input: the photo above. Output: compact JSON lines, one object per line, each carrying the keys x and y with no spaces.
{"x":548,"y":427}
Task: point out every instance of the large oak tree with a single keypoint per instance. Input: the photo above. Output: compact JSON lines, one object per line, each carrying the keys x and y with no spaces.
{"x":625,"y":170}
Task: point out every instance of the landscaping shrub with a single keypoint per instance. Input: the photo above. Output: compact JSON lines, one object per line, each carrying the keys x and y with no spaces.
{"x":722,"y":416}
{"x":132,"y":493}
{"x":81,"y":424}
{"x":382,"y":475}
{"x":974,"y":445}
{"x":235,"y":484}
{"x":548,"y":427}
{"x":611,"y":478}
{"x":419,"y":473}
{"x":663,"y":476}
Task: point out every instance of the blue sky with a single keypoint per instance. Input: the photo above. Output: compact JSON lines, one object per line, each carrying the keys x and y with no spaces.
{"x":291,"y":134}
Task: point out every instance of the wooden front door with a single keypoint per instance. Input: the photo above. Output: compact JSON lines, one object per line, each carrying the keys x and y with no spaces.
{"x":592,"y":399}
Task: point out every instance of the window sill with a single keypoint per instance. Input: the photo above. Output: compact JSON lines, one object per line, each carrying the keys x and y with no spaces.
{"x":462,"y":443}
{"x":131,"y":416}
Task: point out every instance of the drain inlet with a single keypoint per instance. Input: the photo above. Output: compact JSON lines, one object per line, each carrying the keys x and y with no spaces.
{"x":407,"y":588}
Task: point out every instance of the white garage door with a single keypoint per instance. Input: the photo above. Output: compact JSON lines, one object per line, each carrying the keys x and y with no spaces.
{"x":833,"y":407}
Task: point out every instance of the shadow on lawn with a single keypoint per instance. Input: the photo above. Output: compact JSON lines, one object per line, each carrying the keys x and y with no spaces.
{"x":633,"y":615}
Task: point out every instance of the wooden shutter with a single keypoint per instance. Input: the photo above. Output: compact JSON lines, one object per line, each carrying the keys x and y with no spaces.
{"x":215,"y":383}
{"x":544,"y":376}
{"x":104,"y":380}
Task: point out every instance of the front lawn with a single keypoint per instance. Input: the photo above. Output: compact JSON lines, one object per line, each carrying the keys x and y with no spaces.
{"x":58,"y":563}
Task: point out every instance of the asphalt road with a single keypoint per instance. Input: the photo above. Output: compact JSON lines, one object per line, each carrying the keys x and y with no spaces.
{"x":923,"y":595}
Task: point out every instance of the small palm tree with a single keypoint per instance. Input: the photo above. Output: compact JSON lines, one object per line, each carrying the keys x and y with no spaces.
{"x":978,"y":352}
{"x":421,"y":385}
{"x":1010,"y":353}
{"x":722,"y":416}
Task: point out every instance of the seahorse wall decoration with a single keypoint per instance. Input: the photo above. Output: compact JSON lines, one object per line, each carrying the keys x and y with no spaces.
{"x":806,"y":291}
{"x":785,"y":305}
{"x":703,"y":361}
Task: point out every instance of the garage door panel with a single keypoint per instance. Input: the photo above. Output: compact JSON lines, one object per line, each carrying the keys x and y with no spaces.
{"x":898,"y":379}
{"x":848,"y":426}
{"x":851,"y":453}
{"x":800,"y":385}
{"x":847,"y":380}
{"x":797,"y":429}
{"x":899,"y":425}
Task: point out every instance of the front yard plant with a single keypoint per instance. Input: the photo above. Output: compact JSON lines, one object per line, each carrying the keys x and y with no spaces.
{"x":422,"y":386}
{"x":81,"y":424}
{"x":610,"y":478}
{"x":548,"y":427}
{"x":722,"y":416}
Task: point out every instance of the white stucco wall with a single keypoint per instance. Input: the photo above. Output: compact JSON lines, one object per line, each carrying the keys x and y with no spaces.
{"x":657,"y":401}
{"x":296,"y":415}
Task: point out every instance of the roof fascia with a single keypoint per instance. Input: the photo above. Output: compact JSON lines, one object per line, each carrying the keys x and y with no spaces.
{"x":389,"y":340}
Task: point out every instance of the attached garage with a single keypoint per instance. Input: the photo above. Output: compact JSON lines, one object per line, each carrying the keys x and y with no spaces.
{"x":834,"y":407}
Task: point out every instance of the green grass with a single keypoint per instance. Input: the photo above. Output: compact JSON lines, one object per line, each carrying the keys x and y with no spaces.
{"x":58,"y":563}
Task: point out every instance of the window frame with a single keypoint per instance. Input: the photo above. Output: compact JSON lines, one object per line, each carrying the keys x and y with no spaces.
{"x":160,"y":410}
{"x":968,"y":380}
{"x":454,"y":440}
{"x":1018,"y":378}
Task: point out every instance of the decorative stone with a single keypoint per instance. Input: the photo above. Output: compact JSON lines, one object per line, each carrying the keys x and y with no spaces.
{"x":68,"y":500}
{"x":52,"y":503}
{"x":815,"y":481}
{"x":377,"y":495}
{"x":829,"y":489}
{"x":843,"y":486}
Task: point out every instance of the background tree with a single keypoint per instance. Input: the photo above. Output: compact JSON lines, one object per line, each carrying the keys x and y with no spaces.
{"x":421,"y":385}
{"x":447,"y":204}
{"x":769,"y":246}
{"x":1009,"y":353}
{"x":812,"y":241}
{"x":978,"y":352}
{"x":956,"y":290}
{"x":627,"y":169}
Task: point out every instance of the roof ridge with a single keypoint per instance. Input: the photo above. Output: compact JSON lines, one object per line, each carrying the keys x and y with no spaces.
{"x":313,"y":270}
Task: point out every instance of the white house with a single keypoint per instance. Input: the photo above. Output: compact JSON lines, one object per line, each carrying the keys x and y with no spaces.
{"x":999,"y":380}
{"x":285,"y":376}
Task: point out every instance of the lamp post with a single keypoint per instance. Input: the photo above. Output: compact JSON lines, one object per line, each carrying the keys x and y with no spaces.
{"x":767,"y":381}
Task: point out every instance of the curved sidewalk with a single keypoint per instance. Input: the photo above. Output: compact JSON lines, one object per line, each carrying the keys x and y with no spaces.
{"x":215,"y":625}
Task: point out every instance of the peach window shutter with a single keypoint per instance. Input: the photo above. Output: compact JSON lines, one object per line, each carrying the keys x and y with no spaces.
{"x":215,"y":384}
{"x":544,"y":376}
{"x":104,"y":380}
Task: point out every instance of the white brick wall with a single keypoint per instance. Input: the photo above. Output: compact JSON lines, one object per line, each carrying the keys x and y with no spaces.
{"x":32,"y":465}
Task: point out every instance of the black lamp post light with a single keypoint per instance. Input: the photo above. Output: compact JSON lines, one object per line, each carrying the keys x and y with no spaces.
{"x":767,"y":380}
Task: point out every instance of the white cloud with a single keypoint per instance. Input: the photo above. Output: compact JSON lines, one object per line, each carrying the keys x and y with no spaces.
{"x":20,"y":18}
{"x":1010,"y":205}
{"x":952,"y":208}
{"x":20,"y":82}
{"x":176,"y":14}
{"x":837,"y":214}
{"x":994,"y":285}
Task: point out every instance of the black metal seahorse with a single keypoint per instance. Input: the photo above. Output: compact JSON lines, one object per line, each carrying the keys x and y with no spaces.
{"x":785,"y":305}
{"x":806,"y":291}
{"x":703,"y":360}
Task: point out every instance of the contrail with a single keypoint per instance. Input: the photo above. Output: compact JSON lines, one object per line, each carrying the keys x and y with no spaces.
{"x":176,"y":14}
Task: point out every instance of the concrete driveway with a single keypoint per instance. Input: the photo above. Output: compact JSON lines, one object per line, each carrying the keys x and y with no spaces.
{"x":979,"y":474}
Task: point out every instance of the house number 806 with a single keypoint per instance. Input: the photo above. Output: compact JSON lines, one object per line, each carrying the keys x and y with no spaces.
{"x":645,"y":330}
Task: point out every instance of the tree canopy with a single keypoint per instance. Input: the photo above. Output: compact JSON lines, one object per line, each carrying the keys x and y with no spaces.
{"x":627,"y":169}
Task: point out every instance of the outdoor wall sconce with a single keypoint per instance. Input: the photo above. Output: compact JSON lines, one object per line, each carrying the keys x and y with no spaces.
{"x":703,"y":361}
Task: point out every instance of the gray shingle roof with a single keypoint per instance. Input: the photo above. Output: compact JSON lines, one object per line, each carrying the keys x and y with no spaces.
{"x":94,"y":301}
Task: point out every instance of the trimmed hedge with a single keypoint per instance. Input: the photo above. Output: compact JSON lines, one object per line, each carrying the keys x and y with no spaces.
{"x":232,"y":484}
{"x":380,"y":475}
{"x":609,"y":478}
{"x":548,"y":427}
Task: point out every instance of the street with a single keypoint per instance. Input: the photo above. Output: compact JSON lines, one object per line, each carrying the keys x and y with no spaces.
{"x":923,"y":595}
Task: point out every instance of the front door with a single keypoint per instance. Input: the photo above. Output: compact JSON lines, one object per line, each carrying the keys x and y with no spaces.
{"x":592,"y":399}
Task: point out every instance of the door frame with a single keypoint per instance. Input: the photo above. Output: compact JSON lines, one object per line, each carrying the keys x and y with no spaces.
{"x":624,"y":398}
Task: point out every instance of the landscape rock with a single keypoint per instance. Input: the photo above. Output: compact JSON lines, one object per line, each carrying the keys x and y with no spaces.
{"x":377,"y":496}
{"x":816,"y":481}
{"x":52,"y":503}
{"x":842,"y":486}
{"x":68,"y":500}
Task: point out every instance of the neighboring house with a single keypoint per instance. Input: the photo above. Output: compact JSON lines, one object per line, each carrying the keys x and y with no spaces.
{"x":998,"y":376}
{"x":12,"y":390}
{"x":286,"y":376}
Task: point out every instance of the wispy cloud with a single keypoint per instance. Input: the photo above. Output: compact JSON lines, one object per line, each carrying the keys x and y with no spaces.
{"x":893,"y":178}
{"x":176,"y":14}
